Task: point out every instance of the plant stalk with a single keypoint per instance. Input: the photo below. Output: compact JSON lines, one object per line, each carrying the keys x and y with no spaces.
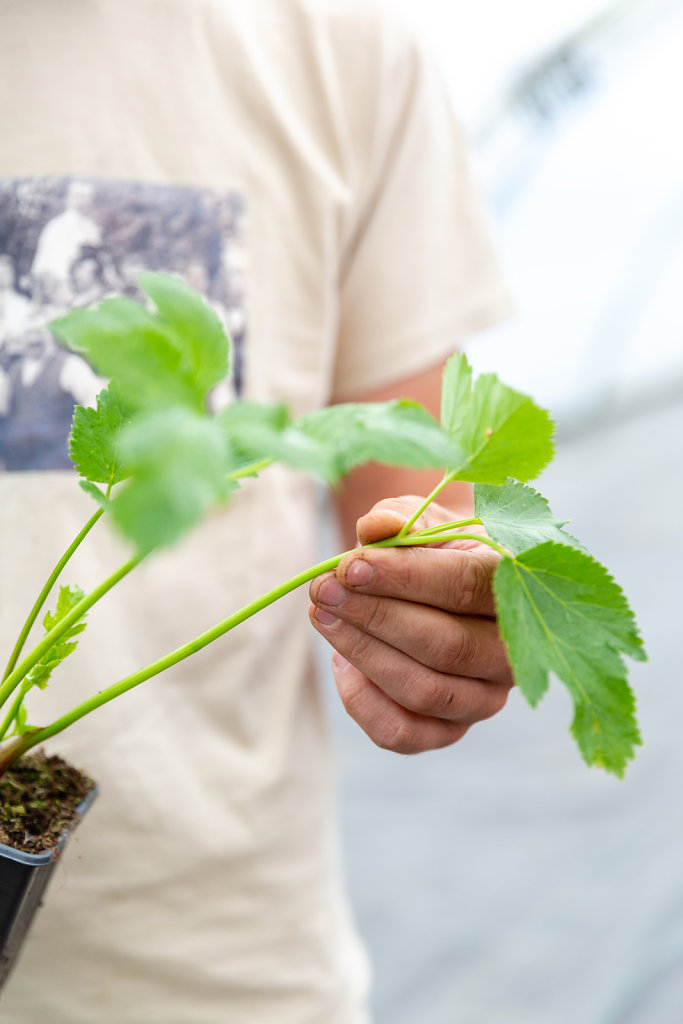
{"x":13,"y":750}
{"x":204,"y":639}
{"x":42,"y":596}
{"x":418,"y":540}
{"x":428,"y":500}
{"x":153,"y":669}
{"x":253,"y":469}
{"x":446,"y":527}
{"x":34,"y":737}
{"x":13,"y":711}
{"x":77,"y":612}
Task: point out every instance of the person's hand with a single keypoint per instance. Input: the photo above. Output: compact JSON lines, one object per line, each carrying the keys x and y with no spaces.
{"x":418,"y":657}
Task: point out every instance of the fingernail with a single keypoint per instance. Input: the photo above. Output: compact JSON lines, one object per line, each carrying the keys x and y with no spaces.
{"x":331,"y":592}
{"x":338,"y":660}
{"x":360,"y":573}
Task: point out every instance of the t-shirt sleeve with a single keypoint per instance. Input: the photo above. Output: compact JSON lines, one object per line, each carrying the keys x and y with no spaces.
{"x":419,"y":272}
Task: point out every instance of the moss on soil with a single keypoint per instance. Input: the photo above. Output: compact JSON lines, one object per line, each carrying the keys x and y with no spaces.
{"x":38,"y":800}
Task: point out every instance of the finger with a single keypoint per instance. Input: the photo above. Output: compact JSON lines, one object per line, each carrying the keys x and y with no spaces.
{"x":455,"y":698}
{"x":448,"y":578}
{"x":388,"y":724}
{"x":457,"y":644}
{"x":387,"y":517}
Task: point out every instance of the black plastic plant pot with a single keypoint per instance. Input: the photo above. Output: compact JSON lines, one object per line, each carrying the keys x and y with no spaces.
{"x":23,"y":880}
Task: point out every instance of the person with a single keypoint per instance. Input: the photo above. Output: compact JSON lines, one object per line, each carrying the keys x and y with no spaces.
{"x":313,"y":141}
{"x":61,"y":242}
{"x":33,"y":371}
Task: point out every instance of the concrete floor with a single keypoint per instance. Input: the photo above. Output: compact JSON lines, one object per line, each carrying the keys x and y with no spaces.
{"x":503,"y":882}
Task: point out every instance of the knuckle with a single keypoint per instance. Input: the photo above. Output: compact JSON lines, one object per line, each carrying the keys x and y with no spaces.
{"x":457,"y":649}
{"x":397,"y":735}
{"x":431,"y":697}
{"x":377,"y":617}
{"x":473,"y":581}
{"x":353,"y":697}
{"x":359,"y":646}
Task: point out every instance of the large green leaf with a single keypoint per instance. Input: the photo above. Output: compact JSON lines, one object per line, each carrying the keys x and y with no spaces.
{"x":163,"y":358}
{"x":205,"y":343}
{"x":502,"y":432}
{"x":400,"y":432}
{"x":179,"y":462}
{"x":95,"y":437}
{"x":518,"y":517}
{"x":122,"y":339}
{"x":560,"y":611}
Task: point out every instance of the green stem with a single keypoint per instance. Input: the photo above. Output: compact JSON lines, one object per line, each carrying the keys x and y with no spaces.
{"x":199,"y":642}
{"x":42,"y":596}
{"x":252,"y":469}
{"x":445,"y":527}
{"x":204,"y":639}
{"x":77,"y":612}
{"x":428,"y":500}
{"x":418,"y":539}
{"x":13,"y":711}
{"x":17,"y":746}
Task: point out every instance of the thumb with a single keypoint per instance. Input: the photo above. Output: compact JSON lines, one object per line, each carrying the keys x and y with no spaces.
{"x":386,"y":518}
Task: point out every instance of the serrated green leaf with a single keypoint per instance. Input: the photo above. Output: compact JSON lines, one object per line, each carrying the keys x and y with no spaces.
{"x":605,"y":727}
{"x":502,"y":432}
{"x":94,"y":444}
{"x":179,"y":462}
{"x":158,"y":362}
{"x":400,"y":432}
{"x":67,"y":600}
{"x":518,"y":517}
{"x":560,"y":611}
{"x":204,"y":338}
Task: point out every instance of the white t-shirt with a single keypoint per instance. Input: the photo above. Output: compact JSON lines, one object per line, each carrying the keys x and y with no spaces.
{"x":298,"y":162}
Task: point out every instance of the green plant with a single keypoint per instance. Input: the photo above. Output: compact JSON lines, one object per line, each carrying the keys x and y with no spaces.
{"x":155,"y":459}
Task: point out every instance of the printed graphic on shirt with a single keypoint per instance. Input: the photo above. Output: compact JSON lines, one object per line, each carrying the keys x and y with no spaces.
{"x":67,"y":242}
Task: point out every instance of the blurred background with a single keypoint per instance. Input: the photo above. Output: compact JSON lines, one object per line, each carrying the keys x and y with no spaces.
{"x":501,"y":881}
